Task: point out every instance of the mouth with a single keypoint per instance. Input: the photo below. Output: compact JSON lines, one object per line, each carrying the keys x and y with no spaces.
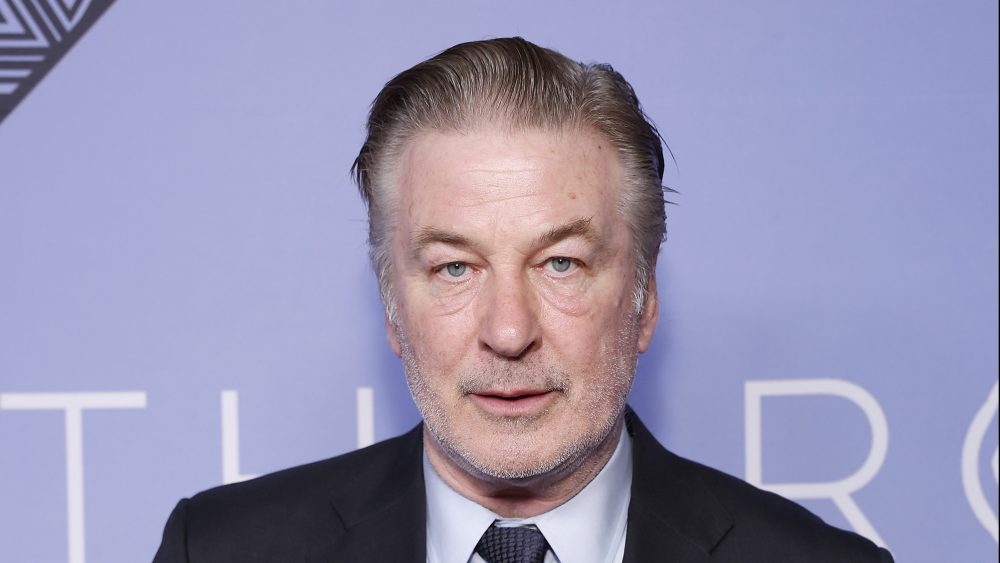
{"x":514,"y":403}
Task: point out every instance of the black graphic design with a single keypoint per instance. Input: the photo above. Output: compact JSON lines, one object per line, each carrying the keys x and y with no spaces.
{"x":34,"y":35}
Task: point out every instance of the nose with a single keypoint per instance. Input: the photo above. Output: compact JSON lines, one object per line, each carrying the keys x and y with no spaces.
{"x":509,"y":321}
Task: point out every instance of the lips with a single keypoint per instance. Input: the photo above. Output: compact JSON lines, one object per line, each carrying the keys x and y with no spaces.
{"x":514,"y":394}
{"x":513,"y":403}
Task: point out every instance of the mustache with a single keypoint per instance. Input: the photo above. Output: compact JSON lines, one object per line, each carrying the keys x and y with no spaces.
{"x":510,"y":378}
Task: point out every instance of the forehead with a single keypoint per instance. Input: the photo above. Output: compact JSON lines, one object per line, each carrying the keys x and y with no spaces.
{"x":491,"y":173}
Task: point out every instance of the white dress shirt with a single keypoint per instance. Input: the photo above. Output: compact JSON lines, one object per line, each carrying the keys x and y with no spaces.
{"x":588,"y":528}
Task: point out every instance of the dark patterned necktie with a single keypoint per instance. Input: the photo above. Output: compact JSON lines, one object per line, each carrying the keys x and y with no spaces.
{"x":512,"y":545}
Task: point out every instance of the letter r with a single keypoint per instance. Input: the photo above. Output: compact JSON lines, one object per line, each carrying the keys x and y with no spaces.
{"x":837,"y":491}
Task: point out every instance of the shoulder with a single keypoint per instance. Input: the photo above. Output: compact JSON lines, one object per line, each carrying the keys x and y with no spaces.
{"x":287,"y":491}
{"x":289,"y":512}
{"x":730,"y":519}
{"x":775,"y":528}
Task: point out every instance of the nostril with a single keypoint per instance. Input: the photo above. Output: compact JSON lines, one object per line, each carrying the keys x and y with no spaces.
{"x":511,"y":352}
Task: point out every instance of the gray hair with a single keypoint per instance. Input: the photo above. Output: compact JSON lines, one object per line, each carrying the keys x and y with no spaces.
{"x":517,"y":84}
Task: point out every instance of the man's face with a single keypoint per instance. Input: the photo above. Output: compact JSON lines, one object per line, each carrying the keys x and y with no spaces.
{"x":514,"y":280}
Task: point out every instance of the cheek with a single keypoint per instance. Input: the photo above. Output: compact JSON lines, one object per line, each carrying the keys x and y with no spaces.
{"x":567,"y":300}
{"x":439,"y":339}
{"x":579,"y":341}
{"x":593,"y":339}
{"x":436,"y":294}
{"x":588,"y":311}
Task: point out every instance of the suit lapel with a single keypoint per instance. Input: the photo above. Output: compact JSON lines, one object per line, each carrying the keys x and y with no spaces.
{"x":383,"y":512}
{"x":672,"y":514}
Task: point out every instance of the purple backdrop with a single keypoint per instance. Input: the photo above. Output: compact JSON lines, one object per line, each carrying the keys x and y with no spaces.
{"x":177,"y":222}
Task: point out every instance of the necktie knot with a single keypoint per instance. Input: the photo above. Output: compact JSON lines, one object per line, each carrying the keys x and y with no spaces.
{"x":521,"y":544}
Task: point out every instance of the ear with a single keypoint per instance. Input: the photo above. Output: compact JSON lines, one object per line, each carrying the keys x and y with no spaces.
{"x":648,"y":316}
{"x":392,"y":337}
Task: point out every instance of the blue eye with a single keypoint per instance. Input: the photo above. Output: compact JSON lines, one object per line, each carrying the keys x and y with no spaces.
{"x":456,"y":269}
{"x":560,"y":264}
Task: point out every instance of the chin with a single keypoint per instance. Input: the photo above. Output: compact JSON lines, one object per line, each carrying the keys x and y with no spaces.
{"x":518,"y":456}
{"x":511,"y":468}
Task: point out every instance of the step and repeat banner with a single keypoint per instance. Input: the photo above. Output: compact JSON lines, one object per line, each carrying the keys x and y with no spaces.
{"x":185,"y":298}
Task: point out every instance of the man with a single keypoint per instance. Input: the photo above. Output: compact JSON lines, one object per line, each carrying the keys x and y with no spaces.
{"x":515,"y":212}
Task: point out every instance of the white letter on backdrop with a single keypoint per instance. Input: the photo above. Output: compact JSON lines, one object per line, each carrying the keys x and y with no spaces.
{"x":73,"y":404}
{"x":366,"y":416}
{"x":231,"y":439}
{"x":838,"y":491}
{"x":974,"y":442}
{"x":365,"y":402}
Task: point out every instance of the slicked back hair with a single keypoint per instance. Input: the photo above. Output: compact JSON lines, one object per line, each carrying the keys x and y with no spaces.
{"x":518,"y":85}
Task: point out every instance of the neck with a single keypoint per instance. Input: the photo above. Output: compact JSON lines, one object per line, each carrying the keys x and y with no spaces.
{"x":522,"y":498}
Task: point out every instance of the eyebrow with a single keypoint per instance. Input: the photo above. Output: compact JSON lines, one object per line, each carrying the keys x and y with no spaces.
{"x":575,"y":228}
{"x":582,"y":228}
{"x":427,"y":236}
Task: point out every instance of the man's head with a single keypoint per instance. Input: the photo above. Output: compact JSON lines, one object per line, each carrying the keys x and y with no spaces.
{"x":516,"y":85}
{"x":515,"y":213}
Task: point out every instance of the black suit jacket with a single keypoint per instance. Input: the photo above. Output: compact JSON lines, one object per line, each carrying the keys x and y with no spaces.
{"x":369,"y":505}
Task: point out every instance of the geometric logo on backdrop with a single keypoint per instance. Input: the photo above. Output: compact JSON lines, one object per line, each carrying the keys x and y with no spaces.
{"x":34,"y":35}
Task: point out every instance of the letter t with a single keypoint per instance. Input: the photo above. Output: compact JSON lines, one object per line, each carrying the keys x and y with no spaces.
{"x":73,"y":405}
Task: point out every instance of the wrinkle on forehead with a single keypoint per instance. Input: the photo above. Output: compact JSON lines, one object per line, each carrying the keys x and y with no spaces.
{"x":552,"y":143}
{"x":527,"y":169}
{"x":506,"y":184}
{"x":491,"y":198}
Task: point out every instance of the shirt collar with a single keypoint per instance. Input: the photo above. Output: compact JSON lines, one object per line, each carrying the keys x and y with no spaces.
{"x":588,"y":528}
